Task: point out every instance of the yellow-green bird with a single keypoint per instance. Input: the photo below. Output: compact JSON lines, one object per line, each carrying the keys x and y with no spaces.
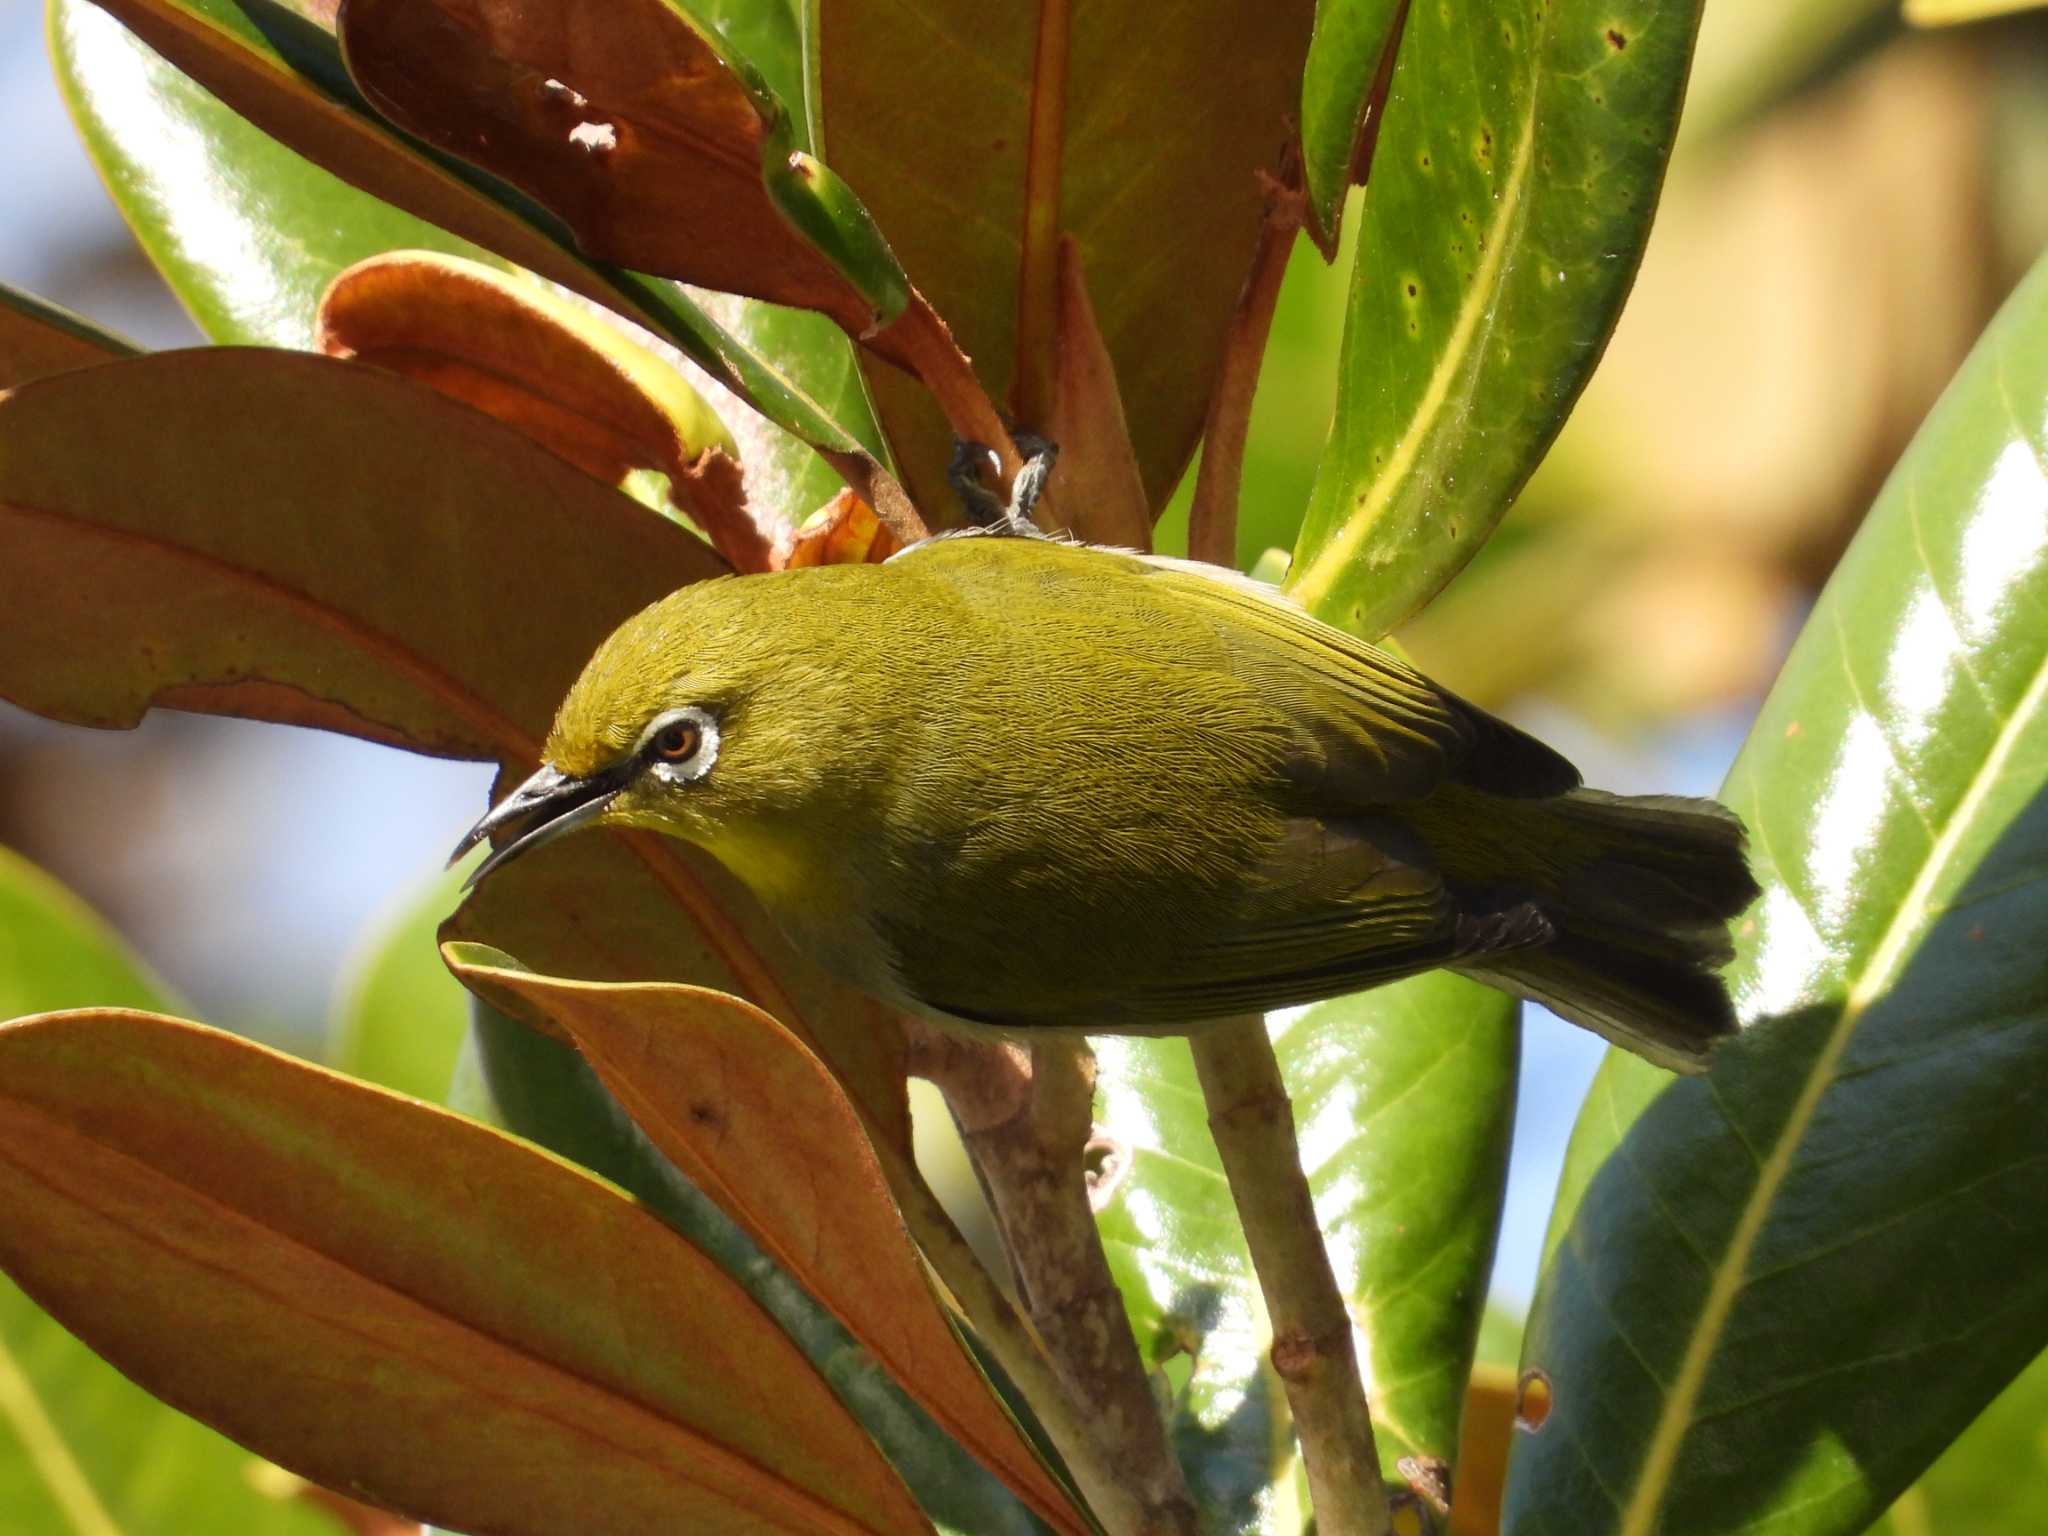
{"x":1022,"y":783}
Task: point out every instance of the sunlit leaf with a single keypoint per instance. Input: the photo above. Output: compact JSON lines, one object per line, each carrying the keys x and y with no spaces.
{"x":756,"y":1122}
{"x":83,"y":1450}
{"x":296,"y":538}
{"x":514,"y":1076}
{"x":1775,"y":1293}
{"x":1405,"y":1098}
{"x":38,"y":338}
{"x":1512,"y":185}
{"x":397,"y":1301}
{"x":249,"y":234}
{"x":645,"y":135}
{"x":1402,"y":1101}
{"x":1180,"y":1260}
{"x":556,"y":373}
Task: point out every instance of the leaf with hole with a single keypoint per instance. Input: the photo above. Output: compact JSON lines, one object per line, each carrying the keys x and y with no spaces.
{"x":1517,"y":164}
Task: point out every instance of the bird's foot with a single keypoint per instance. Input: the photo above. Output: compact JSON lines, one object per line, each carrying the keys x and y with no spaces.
{"x":968,"y":472}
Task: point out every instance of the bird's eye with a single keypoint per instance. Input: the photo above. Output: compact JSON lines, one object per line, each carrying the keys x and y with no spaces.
{"x":678,"y":741}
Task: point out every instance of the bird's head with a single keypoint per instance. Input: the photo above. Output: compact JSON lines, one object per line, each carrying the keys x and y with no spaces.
{"x":687,"y":721}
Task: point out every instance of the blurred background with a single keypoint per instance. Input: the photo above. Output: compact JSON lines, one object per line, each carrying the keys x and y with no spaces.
{"x":1850,"y":203}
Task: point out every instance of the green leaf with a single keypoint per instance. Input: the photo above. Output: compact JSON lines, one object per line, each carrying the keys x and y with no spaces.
{"x":1991,"y":1482}
{"x":1344,"y":58}
{"x":1776,"y":1292}
{"x":1403,"y":1101}
{"x":1516,"y":170}
{"x":394,"y":1300}
{"x":39,"y":338}
{"x":1179,"y":1259}
{"x":398,"y":1018}
{"x":247,"y":233}
{"x":513,"y":1076}
{"x":83,"y":1450}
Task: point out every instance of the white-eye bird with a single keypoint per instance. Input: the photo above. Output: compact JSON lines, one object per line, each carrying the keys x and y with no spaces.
{"x":1022,"y":783}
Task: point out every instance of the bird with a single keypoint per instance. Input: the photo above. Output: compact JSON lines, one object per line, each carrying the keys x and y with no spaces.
{"x":1017,"y":783}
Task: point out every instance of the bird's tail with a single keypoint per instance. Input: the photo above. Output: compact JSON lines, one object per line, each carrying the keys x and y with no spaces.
{"x":1641,"y":891}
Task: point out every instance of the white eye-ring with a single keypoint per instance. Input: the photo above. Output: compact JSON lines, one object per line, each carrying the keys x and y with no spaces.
{"x":680,"y":746}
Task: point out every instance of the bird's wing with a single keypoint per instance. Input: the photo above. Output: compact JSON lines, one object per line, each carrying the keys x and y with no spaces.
{"x":1337,"y":908}
{"x":1382,"y":731}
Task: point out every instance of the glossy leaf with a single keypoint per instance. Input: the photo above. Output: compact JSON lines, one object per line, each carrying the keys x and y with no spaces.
{"x":439,"y":594}
{"x":753,"y":1119}
{"x":1022,"y":124}
{"x":1774,"y":1293}
{"x":243,"y":553}
{"x":249,"y":234}
{"x":1345,"y":58}
{"x":574,"y":384}
{"x":398,"y":1018}
{"x":647,"y":138}
{"x":83,"y":1450}
{"x":1403,"y":1098}
{"x":515,"y":1077}
{"x":1515,"y":173}
{"x":352,"y":1282}
{"x":38,"y":338}
{"x":1180,"y":1260}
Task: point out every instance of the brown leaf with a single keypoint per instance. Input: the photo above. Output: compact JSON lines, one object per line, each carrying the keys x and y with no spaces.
{"x":352,"y":145}
{"x":244,"y":554}
{"x":1138,"y":134}
{"x":38,"y":339}
{"x":1101,"y":494}
{"x":396,"y":1301}
{"x":845,"y":531}
{"x":754,"y":1120}
{"x":295,"y":538}
{"x":572,"y":383}
{"x":635,"y":132}
{"x":637,"y":906}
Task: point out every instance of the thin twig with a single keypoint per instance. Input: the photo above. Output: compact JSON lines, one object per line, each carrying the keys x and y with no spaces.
{"x":1253,"y":1123}
{"x":1026,"y":1124}
{"x":1212,"y":519}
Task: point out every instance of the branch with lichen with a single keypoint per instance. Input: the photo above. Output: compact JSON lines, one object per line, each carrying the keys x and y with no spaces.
{"x":1252,"y":1121}
{"x":1026,"y":1122}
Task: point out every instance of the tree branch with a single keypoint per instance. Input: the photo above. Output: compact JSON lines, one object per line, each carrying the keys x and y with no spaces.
{"x":1026,"y":1122}
{"x":1253,"y":1123}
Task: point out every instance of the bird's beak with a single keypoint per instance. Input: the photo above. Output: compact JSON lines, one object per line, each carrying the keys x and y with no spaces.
{"x":548,"y":804}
